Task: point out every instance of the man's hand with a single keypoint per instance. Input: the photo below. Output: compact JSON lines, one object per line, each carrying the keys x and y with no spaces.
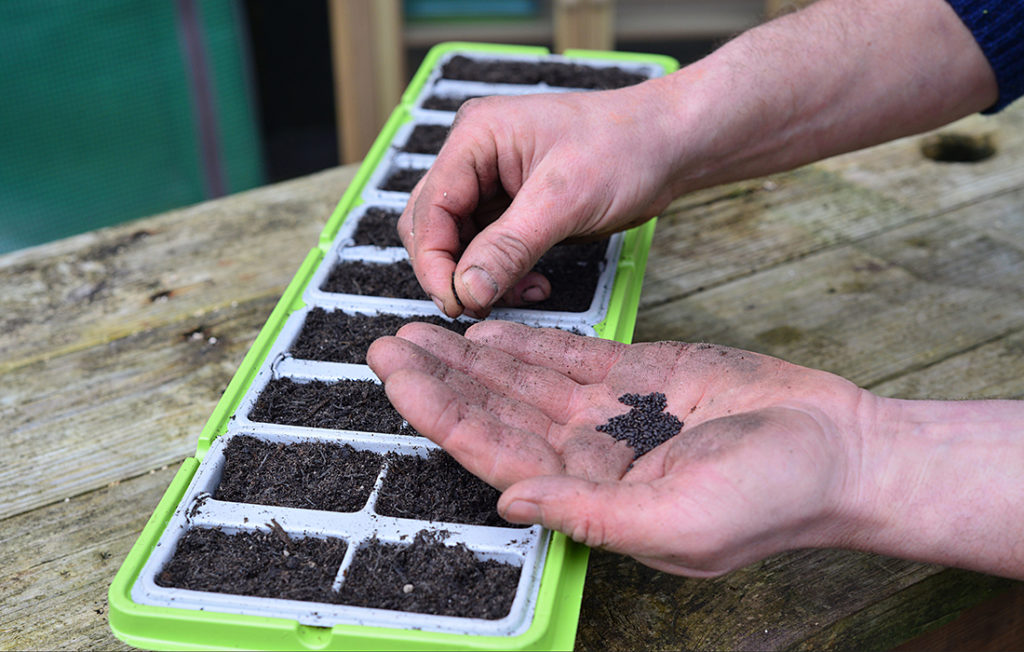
{"x":518,"y":175}
{"x":761,"y":464}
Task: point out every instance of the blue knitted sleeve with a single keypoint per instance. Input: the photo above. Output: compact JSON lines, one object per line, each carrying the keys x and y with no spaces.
{"x":998,"y":27}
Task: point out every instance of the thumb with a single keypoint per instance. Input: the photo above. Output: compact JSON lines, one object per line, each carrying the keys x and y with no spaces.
{"x":503,"y":253}
{"x":616,"y":515}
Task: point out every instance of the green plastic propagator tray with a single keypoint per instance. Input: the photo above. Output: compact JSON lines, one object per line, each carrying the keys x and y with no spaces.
{"x":147,"y":612}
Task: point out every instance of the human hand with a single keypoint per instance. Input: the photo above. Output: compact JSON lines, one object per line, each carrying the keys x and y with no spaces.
{"x":761,"y":464}
{"x":520,"y":174}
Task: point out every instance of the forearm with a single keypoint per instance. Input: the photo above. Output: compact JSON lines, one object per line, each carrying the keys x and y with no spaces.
{"x":835,"y":77}
{"x":943,"y":482}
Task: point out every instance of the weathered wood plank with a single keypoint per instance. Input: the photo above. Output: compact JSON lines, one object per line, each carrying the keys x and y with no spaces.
{"x":993,"y":370}
{"x":807,"y":599}
{"x":900,"y":171}
{"x":104,"y":285}
{"x":89,"y":417}
{"x":713,"y":236}
{"x":873,"y":309}
{"x":56,"y":564}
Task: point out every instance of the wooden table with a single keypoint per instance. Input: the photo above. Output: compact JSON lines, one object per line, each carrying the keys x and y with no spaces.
{"x":903,"y":274}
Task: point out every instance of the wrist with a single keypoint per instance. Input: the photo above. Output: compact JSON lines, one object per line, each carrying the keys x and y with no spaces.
{"x":940,"y":482}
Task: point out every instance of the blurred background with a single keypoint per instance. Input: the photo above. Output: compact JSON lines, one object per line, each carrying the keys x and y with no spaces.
{"x":117,"y":109}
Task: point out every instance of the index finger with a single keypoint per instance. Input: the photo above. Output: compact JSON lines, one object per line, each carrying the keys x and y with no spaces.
{"x":438,"y":217}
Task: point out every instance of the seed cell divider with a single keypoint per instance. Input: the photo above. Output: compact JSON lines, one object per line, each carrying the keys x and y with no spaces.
{"x":545,"y":608}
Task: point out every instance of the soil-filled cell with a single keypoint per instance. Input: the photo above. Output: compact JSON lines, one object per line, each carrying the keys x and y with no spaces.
{"x":429,"y":577}
{"x":343,"y":405}
{"x":393,"y":280}
{"x":574,"y":271}
{"x":308,"y":475}
{"x":446,"y":102}
{"x":402,"y":179}
{"x":426,"y":139}
{"x":378,"y":227}
{"x":337,"y":336}
{"x":263,"y":564}
{"x":437,"y":488}
{"x":552,"y":73}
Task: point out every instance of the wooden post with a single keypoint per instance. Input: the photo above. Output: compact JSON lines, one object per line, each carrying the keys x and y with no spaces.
{"x":584,"y":24}
{"x":369,"y":70}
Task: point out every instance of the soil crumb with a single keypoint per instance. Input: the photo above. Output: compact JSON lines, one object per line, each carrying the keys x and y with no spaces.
{"x":437,"y":488}
{"x":646,"y":425}
{"x":263,"y":564}
{"x":429,"y":577}
{"x":308,"y":475}
{"x":337,"y":336}
{"x":344,"y":405}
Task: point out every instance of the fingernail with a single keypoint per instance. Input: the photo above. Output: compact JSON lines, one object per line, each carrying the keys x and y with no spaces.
{"x":522,"y":511}
{"x":533,"y":293}
{"x":437,"y":302}
{"x":480,"y":284}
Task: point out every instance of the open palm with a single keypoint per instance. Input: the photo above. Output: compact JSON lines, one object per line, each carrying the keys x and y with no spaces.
{"x":759,"y":465}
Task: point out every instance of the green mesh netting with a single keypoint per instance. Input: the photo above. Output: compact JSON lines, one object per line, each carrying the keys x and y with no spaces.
{"x":98,"y":115}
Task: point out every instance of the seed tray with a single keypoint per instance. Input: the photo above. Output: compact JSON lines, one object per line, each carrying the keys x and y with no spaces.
{"x":523,"y":548}
{"x":550,"y":568}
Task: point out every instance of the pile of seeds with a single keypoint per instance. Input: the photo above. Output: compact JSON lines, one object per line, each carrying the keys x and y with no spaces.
{"x":646,"y":425}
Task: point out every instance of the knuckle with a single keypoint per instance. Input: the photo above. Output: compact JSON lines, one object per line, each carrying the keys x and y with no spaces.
{"x":471,"y":109}
{"x":513,"y":254}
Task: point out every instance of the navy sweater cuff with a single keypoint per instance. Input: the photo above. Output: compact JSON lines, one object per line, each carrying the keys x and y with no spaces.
{"x":998,"y":27}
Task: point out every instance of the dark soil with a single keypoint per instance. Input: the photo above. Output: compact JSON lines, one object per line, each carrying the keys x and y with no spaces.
{"x":426,"y":139}
{"x":378,"y":226}
{"x":437,"y":488}
{"x":337,"y":336}
{"x":572,"y":75}
{"x":646,"y":425}
{"x":394,"y":280}
{"x":446,"y":102}
{"x":428,"y":577}
{"x":573,"y":271}
{"x":403,"y":180}
{"x":264,"y":564}
{"x":343,"y":405}
{"x":567,"y":75}
{"x":310,"y":475}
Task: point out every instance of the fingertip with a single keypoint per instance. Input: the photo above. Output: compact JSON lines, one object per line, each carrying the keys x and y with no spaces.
{"x":522,"y":512}
{"x":380,"y":356}
{"x":532,"y":288}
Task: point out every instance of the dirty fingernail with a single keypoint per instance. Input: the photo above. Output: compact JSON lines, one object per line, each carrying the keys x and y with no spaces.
{"x":437,"y":302}
{"x":480,"y":285}
{"x":522,"y":511}
{"x":533,"y":293}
